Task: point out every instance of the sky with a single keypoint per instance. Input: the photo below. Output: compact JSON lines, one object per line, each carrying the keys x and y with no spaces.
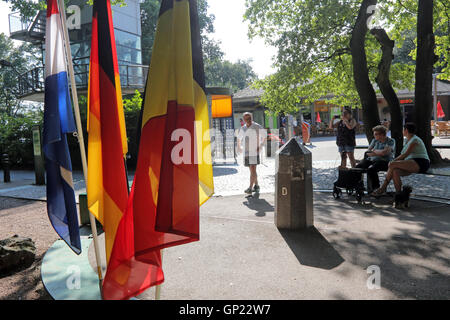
{"x":230,"y":30}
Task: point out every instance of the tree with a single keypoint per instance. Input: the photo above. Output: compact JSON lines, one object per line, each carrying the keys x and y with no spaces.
{"x":236,"y":76}
{"x":426,"y":58}
{"x":16,"y":117}
{"x":325,"y":52}
{"x":218,"y":72}
{"x":384,"y":83}
{"x":428,"y":23}
{"x":361,"y":77}
{"x":149,"y":20}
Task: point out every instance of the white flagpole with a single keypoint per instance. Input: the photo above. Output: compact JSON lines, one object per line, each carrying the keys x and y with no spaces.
{"x":80,"y":136}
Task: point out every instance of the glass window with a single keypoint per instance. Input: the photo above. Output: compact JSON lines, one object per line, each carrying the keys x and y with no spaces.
{"x":127,"y":39}
{"x":128,"y":55}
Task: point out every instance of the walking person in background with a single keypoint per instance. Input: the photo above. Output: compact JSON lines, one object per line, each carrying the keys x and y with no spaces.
{"x":345,"y":139}
{"x":413,"y":159}
{"x":251,"y":135}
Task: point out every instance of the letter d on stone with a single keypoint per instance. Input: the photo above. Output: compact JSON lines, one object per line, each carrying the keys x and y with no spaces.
{"x":73,"y":282}
{"x":374,"y":281}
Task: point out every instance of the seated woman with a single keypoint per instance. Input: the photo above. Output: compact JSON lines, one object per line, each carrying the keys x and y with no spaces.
{"x":413,"y":159}
{"x":380,"y":152}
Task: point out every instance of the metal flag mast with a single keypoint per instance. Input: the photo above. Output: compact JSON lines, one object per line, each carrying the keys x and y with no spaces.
{"x":80,"y":135}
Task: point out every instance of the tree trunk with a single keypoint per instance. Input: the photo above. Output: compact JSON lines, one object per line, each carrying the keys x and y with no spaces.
{"x":363,"y":85}
{"x":425,"y":60}
{"x":384,"y":83}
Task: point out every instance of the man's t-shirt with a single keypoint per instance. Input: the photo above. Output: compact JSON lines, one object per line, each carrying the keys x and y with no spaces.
{"x":378,"y":145}
{"x":250,"y":138}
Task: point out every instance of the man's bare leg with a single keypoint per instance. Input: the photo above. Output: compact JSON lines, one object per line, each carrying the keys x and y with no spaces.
{"x":253,"y":175}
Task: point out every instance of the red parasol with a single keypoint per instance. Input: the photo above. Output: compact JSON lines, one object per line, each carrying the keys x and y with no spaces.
{"x":440,"y":112}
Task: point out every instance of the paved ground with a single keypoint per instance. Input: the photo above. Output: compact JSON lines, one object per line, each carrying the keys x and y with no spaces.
{"x":28,"y":219}
{"x":232,"y":179}
{"x":242,"y":255}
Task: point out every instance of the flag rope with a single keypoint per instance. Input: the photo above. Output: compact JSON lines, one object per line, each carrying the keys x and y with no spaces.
{"x":80,"y":136}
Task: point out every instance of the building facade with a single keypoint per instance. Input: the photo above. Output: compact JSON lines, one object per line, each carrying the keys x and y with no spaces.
{"x":127,"y":31}
{"x":247,"y":100}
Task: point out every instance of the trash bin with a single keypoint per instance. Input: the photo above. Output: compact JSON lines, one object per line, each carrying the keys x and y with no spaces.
{"x":293,"y":187}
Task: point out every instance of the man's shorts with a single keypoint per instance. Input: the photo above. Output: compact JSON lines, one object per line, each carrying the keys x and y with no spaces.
{"x":346,"y":149}
{"x":250,"y":160}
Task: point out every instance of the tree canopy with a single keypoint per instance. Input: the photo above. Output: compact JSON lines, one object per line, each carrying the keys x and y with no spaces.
{"x":16,"y":117}
{"x":313,"y":39}
{"x":218,"y":71}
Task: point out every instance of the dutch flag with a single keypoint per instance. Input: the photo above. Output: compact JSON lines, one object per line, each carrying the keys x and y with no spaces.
{"x":58,"y":121}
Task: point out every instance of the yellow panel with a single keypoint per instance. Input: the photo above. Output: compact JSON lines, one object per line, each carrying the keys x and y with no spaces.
{"x":221,"y":107}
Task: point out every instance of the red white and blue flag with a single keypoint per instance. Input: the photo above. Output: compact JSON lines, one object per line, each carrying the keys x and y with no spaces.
{"x":58,"y":121}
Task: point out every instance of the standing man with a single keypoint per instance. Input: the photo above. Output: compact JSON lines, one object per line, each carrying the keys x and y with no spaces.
{"x":251,"y":134}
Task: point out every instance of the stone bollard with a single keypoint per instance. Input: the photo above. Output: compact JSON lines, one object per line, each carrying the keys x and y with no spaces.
{"x":293,"y":187}
{"x":6,"y":167}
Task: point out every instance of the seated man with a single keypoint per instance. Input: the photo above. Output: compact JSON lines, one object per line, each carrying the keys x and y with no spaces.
{"x":380,"y":152}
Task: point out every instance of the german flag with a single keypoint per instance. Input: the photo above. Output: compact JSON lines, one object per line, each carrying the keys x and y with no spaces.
{"x":107,"y":190}
{"x":174,"y":172}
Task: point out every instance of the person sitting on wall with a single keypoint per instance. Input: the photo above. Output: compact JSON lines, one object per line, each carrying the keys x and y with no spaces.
{"x":381,"y":151}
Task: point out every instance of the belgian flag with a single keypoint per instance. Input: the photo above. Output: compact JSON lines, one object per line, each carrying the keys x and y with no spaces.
{"x":174,"y":171}
{"x":107,"y":191}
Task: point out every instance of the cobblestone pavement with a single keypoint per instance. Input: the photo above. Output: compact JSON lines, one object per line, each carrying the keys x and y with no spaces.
{"x":233,"y":179}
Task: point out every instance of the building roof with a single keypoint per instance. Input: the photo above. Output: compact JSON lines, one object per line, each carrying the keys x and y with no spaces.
{"x":249,"y":94}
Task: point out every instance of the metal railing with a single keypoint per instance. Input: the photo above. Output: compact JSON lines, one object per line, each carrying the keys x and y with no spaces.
{"x":21,"y":28}
{"x":18,"y":23}
{"x":33,"y":81}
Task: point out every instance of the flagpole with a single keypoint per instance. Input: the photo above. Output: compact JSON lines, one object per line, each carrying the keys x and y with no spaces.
{"x":80,"y":137}
{"x":158,"y":287}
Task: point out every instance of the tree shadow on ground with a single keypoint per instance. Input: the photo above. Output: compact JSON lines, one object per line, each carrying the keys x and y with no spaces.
{"x":221,"y":171}
{"x":7,"y":203}
{"x":311,"y":248}
{"x":412,"y":249}
{"x":261,"y":206}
